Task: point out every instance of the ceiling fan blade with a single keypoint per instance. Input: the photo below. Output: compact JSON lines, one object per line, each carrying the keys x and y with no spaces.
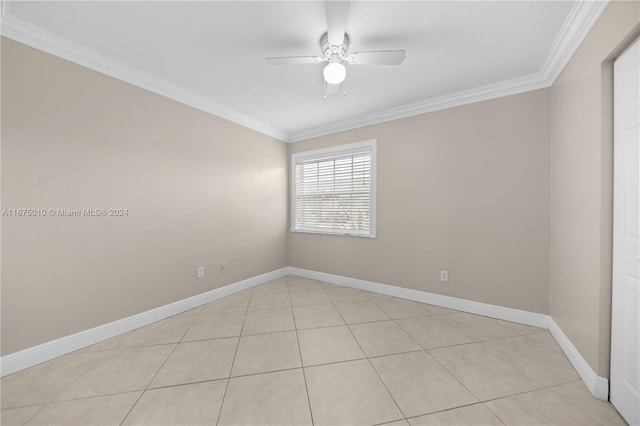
{"x":294,"y":60}
{"x":337,"y":21}
{"x":380,"y":57}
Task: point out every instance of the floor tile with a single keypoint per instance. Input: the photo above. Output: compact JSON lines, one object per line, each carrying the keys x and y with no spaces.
{"x":329,"y":344}
{"x":316,"y":316}
{"x":162,"y":332}
{"x":304,"y":284}
{"x":398,"y":308}
{"x":101,"y":410}
{"x":197,"y":361}
{"x":18,"y":416}
{"x":233,"y":303}
{"x":278,"y":398}
{"x":293,"y":279}
{"x":484,"y":374}
{"x":105,"y":345}
{"x":542,"y":365}
{"x":268,"y":321}
{"x":327,"y":285}
{"x":346,"y":295}
{"x":189,"y":313}
{"x":536,"y":408}
{"x":439,"y":310}
{"x":122,"y":370}
{"x":356,"y":312}
{"x":479,"y":328}
{"x":279,"y":285}
{"x":271,"y":300}
{"x":44,"y":382}
{"x":309,"y":297}
{"x":266,"y":352}
{"x":577,"y":396}
{"x":519,"y":329}
{"x":419,"y":384}
{"x":431,"y":332}
{"x":545,"y":339}
{"x":213,"y":326}
{"x":396,"y":423}
{"x":383,"y":338}
{"x":380,"y":298}
{"x":194,"y":404}
{"x":477,"y":415}
{"x":349,"y":393}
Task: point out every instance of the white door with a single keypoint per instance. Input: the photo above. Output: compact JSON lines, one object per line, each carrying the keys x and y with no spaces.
{"x":625,"y":323}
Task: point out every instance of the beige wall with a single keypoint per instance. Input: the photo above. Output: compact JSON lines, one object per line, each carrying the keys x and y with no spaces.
{"x":464,"y":190}
{"x":200,"y":190}
{"x":581,"y":186}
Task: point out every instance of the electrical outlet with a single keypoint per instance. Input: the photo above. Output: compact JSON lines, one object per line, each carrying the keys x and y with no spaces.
{"x":223,"y":267}
{"x":444,"y":275}
{"x":200,"y":272}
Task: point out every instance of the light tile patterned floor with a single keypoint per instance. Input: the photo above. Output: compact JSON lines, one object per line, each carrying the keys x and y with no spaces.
{"x":296,"y":351}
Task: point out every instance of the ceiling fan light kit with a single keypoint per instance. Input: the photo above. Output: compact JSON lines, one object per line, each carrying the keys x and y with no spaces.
{"x":334,"y":73}
{"x":334,"y":45}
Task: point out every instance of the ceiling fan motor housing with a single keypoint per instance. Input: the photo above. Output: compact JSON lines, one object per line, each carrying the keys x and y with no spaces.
{"x":331,"y":52}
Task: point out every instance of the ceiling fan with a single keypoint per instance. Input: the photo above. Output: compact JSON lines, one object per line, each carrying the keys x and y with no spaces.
{"x":334,"y":46}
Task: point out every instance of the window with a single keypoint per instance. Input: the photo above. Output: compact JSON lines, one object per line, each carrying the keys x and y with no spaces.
{"x":333,"y":191}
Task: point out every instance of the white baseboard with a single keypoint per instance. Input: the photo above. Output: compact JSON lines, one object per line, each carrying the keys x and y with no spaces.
{"x":493,"y":311}
{"x":17,"y":361}
{"x":598,"y":386}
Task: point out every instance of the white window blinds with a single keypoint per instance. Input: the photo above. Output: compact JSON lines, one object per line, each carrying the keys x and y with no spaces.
{"x":334,"y":190}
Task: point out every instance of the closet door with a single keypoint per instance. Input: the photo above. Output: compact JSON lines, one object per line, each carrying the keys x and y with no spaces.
{"x":625,"y":323}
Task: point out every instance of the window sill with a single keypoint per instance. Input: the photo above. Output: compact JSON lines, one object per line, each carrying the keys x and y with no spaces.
{"x":337,"y":233}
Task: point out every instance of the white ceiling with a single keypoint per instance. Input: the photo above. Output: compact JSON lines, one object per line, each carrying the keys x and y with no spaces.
{"x":211,"y":54}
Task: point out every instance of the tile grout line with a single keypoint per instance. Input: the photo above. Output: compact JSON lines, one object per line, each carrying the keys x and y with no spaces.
{"x":483,"y":402}
{"x":158,"y":371}
{"x":177,"y":385}
{"x":492,"y":412}
{"x":453,"y":375}
{"x":53,"y":401}
{"x":448,"y":409}
{"x":226,"y":387}
{"x":34,"y":414}
{"x":514,"y":366}
{"x":304,"y":375}
{"x":515,"y":394}
{"x":295,"y":368}
{"x":432,"y":357}
{"x":374,"y":369}
{"x":519,"y":393}
{"x":280,"y":370}
{"x":97,"y":395}
{"x":478,"y":342}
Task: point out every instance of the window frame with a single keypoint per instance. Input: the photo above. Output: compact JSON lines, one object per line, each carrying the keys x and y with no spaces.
{"x":337,"y":151}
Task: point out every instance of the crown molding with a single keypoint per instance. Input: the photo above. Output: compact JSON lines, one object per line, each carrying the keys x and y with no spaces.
{"x":491,"y":91}
{"x":579,"y":22}
{"x":583,"y":16}
{"x":31,"y":35}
